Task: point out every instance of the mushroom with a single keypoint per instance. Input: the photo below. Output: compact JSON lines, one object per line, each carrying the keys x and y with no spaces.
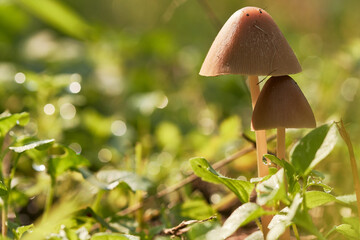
{"x":250,"y":43}
{"x":281,"y":104}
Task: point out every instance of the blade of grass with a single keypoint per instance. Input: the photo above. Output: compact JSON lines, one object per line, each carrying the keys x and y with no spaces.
{"x":345,"y":136}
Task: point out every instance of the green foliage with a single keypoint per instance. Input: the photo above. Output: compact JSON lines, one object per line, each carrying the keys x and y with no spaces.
{"x":202,"y":168}
{"x":241,"y":216}
{"x":313,"y":148}
{"x":101,"y":77}
{"x":65,"y":159}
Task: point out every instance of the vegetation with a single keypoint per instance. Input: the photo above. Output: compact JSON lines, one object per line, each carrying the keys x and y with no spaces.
{"x":102,"y":108}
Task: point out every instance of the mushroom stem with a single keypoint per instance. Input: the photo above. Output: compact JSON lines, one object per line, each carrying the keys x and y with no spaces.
{"x":280,"y":143}
{"x":280,"y":153}
{"x":261,"y":147}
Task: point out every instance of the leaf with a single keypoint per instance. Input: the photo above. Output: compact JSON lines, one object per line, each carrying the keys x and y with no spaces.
{"x":57,"y":14}
{"x":313,"y":148}
{"x":58,"y":164}
{"x":271,"y":190}
{"x":304,"y":220}
{"x":347,"y":231}
{"x":8,"y":121}
{"x":279,"y":223}
{"x":202,"y":168}
{"x":196,"y":209}
{"x":316,"y":198}
{"x":113,"y":236}
{"x":3,"y":189}
{"x":22,"y":229}
{"x":240,"y":217}
{"x":110,"y":179}
{"x":258,"y":235}
{"x":39,"y":145}
{"x":289,"y":170}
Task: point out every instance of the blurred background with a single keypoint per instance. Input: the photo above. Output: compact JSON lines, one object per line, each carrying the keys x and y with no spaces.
{"x":103,"y":76}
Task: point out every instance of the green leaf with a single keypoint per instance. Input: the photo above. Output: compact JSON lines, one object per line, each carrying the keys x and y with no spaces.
{"x":279,"y":222}
{"x":8,"y":121}
{"x":21,"y":230}
{"x":313,"y":148}
{"x":57,"y":14}
{"x":304,"y":220}
{"x":69,"y":159}
{"x":347,"y":199}
{"x":39,"y":145}
{"x":241,"y":188}
{"x":240,"y":217}
{"x":134,"y":181}
{"x":113,"y":236}
{"x":316,"y":198}
{"x":3,"y":189}
{"x":289,"y":170}
{"x":197,"y":209}
{"x":271,"y":190}
{"x":347,"y":231}
{"x":110,"y":179}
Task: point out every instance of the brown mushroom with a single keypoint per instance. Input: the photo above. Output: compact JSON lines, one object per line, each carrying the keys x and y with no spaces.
{"x":250,"y":43}
{"x":281,"y":104}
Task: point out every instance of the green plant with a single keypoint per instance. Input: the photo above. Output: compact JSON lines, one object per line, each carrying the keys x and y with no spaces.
{"x":291,"y":199}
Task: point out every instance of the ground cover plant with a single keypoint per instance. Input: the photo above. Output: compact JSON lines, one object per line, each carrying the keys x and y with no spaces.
{"x":108,"y":132}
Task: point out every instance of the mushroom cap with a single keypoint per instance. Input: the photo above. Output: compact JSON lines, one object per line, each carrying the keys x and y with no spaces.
{"x":282,"y":104}
{"x":250,"y":43}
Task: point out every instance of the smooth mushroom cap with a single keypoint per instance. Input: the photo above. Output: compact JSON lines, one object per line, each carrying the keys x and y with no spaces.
{"x":282,"y":104}
{"x":250,"y":43}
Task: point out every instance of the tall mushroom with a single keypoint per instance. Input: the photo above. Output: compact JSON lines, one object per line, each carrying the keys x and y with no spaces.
{"x":250,"y":43}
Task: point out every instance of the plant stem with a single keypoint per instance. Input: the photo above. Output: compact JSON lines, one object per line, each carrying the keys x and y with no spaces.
{"x":280,"y":143}
{"x":49,"y":198}
{"x":280,"y":153}
{"x":261,"y":146}
{"x":344,"y":134}
{"x":296,"y":233}
{"x":4,"y":216}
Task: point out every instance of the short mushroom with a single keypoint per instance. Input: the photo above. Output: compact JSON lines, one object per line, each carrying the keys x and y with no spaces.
{"x":250,"y":43}
{"x":281,"y":104}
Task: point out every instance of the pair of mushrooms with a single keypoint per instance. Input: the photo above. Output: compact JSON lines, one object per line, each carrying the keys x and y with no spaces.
{"x":250,"y":43}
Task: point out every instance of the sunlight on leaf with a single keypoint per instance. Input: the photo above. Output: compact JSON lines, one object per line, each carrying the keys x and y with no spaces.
{"x":39,"y":145}
{"x":8,"y":121}
{"x":271,"y":190}
{"x":347,"y":199}
{"x":240,"y":217}
{"x":258,"y":235}
{"x":110,"y":179}
{"x":279,"y":223}
{"x":241,"y":188}
{"x":313,"y":148}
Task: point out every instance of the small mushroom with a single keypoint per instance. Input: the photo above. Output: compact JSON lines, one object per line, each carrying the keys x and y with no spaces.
{"x":281,"y":104}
